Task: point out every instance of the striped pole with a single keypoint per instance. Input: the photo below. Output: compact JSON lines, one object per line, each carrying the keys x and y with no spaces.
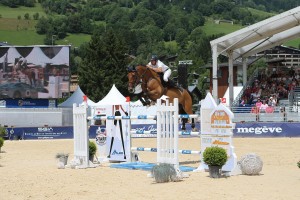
{"x":122,"y":117}
{"x":183,"y":133}
{"x":149,"y":149}
{"x":186,"y":116}
{"x":112,"y":117}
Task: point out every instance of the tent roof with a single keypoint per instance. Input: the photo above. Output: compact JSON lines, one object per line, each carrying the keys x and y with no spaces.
{"x":253,"y":39}
{"x":260,"y":36}
{"x":76,"y":97}
{"x":114,"y":97}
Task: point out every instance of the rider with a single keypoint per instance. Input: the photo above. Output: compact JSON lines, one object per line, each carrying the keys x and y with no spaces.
{"x":22,"y":62}
{"x":160,"y":67}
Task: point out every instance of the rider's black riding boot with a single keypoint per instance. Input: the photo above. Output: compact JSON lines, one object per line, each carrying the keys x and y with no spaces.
{"x":171,"y":83}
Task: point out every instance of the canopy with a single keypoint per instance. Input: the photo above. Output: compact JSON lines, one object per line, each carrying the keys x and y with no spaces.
{"x":251,"y":40}
{"x":76,"y":97}
{"x":114,"y":97}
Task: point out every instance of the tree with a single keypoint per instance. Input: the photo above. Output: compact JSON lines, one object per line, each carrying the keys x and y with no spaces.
{"x":181,"y":37}
{"x":104,"y":64}
{"x":26,"y":16}
{"x":43,"y":25}
{"x":36,"y":16}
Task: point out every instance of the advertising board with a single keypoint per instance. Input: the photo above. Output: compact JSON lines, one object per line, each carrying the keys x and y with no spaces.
{"x":37,"y":72}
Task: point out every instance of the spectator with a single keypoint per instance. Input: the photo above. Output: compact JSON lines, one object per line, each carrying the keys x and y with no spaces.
{"x":255,"y":96}
{"x":248,"y":92}
{"x":272,"y":101}
{"x":292,"y":72}
{"x":258,"y":103}
{"x":263,"y":106}
{"x":282,"y":91}
{"x":292,"y":85}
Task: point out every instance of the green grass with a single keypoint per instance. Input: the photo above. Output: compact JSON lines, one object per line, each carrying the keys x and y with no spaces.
{"x":17,"y":25}
{"x":30,"y":37}
{"x":74,"y":39}
{"x":22,"y":32}
{"x":260,"y":14}
{"x":13,"y":13}
{"x":293,"y":43}
{"x":22,"y":37}
{"x":211,"y":28}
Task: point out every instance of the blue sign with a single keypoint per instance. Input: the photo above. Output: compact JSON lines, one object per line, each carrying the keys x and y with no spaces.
{"x":280,"y":129}
{"x":267,"y":130}
{"x":30,"y":103}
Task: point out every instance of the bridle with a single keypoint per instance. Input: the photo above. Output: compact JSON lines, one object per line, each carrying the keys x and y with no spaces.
{"x":137,"y":80}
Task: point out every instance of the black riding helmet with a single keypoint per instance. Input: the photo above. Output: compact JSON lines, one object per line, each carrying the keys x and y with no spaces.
{"x":130,"y":68}
{"x":154,"y":57}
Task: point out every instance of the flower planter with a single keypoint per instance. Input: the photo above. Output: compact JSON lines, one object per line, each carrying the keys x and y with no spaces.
{"x":215,"y":171}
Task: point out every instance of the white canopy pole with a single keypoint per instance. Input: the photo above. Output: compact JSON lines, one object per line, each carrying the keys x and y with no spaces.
{"x":244,"y":60}
{"x":214,"y":72}
{"x":230,"y":75}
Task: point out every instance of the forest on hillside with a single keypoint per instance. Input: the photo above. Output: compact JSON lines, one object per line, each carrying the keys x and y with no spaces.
{"x":140,"y":28}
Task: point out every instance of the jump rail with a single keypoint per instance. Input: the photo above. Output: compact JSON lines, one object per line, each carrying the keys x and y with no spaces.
{"x":167,"y":133}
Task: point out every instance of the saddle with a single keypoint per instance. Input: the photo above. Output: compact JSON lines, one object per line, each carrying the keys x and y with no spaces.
{"x":170,"y":83}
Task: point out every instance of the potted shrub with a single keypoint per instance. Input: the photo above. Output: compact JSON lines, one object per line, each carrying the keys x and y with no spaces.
{"x":1,"y":143}
{"x":2,"y":132}
{"x":62,"y":157}
{"x":215,"y":157}
{"x":92,"y":150}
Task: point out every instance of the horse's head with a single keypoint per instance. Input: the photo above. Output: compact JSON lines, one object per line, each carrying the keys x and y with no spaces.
{"x":133,"y":79}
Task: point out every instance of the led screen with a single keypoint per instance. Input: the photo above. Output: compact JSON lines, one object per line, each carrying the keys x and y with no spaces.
{"x":38,"y":72}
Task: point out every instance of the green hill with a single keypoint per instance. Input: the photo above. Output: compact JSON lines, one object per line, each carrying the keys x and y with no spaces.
{"x":17,"y":30}
{"x":212,"y":28}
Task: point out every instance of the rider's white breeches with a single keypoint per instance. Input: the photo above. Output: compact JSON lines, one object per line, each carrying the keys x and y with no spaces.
{"x":167,"y":74}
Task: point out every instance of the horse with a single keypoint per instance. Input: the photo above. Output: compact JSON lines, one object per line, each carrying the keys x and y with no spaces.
{"x":19,"y":66}
{"x":153,"y":88}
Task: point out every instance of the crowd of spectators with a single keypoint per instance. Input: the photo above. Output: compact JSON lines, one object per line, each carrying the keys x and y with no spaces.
{"x":268,"y":89}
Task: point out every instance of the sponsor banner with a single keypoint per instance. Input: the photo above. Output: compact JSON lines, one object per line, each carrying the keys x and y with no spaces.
{"x":241,"y":130}
{"x":29,"y":103}
{"x":33,"y":133}
{"x":140,"y":128}
{"x":267,"y":130}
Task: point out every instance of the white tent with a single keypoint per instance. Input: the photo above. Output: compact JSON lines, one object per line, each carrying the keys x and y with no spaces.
{"x":12,"y":55}
{"x":37,"y":57}
{"x":62,"y":57}
{"x":76,"y":97}
{"x":114,"y":97}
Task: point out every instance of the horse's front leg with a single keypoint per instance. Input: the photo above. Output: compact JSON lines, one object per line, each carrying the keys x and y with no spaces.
{"x":183,"y":121}
{"x":193,"y":125}
{"x":145,"y":101}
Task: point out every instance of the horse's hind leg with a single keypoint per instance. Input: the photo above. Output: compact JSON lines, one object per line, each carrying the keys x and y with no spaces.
{"x":189,"y":110}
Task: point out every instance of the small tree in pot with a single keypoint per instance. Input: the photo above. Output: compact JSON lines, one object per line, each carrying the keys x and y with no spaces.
{"x":92,"y":150}
{"x":215,"y":157}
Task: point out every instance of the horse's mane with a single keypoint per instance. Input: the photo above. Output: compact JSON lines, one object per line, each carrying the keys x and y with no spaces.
{"x":153,"y":73}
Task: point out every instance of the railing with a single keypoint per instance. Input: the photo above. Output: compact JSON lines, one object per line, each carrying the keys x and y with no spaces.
{"x":276,"y":114}
{"x":249,"y":82}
